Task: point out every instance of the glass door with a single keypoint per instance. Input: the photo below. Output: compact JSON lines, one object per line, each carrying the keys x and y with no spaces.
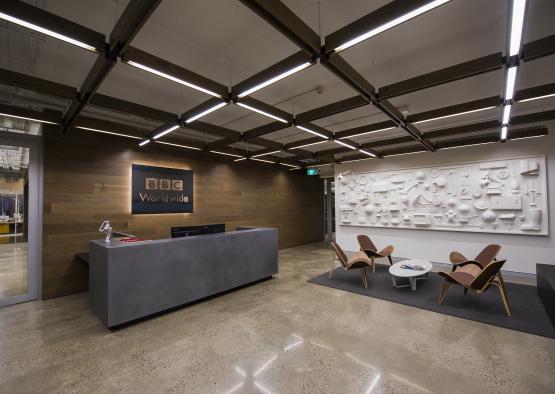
{"x":18,"y":219}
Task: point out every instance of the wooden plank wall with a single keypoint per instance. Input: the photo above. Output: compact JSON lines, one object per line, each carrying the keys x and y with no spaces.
{"x":87,"y":179}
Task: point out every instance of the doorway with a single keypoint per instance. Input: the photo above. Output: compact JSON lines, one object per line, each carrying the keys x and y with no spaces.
{"x":20,"y":214}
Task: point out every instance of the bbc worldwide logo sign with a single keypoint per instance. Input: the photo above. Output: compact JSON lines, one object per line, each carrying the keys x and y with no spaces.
{"x":163,"y":184}
{"x":161,"y":190}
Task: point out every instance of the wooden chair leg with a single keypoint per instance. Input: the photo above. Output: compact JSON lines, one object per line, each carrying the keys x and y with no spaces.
{"x":390,"y":261}
{"x":443,"y":293}
{"x":373,"y":265}
{"x":332,"y":265}
{"x":504,"y":294}
{"x":363,"y":274}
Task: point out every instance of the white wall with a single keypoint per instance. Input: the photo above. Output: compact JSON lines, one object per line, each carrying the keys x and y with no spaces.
{"x":522,"y":252}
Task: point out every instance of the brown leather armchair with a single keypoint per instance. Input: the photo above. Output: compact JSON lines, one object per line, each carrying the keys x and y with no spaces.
{"x":368,"y":247}
{"x":476,"y":277}
{"x":358,"y":260}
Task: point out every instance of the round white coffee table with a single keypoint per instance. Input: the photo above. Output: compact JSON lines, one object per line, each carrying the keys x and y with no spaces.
{"x":413,"y":275}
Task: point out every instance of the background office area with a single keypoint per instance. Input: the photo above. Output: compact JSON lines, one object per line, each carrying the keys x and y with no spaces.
{"x":251,"y":196}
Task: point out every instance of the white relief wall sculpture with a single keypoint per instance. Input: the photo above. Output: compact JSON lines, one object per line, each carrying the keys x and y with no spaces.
{"x":503,"y":196}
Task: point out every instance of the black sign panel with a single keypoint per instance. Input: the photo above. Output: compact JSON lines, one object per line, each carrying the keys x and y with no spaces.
{"x":161,"y":190}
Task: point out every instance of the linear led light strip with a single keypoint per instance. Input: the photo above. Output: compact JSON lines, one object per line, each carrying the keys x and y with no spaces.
{"x":108,"y":132}
{"x":290,"y":165}
{"x":178,"y":145}
{"x":367,"y":153}
{"x":313,"y":143}
{"x":189,"y":120}
{"x":241,"y":159}
{"x":226,"y":154}
{"x":517,"y":23}
{"x":457,"y":114}
{"x":274,"y":79}
{"x":264,"y":154}
{"x":397,"y":21}
{"x":25,"y":118}
{"x":265,"y":161}
{"x":42,"y":30}
{"x":262,"y":112}
{"x":344,"y":144}
{"x":171,"y":78}
{"x":166,"y":131}
{"x":311,"y":131}
{"x":537,"y":98}
{"x":368,"y":132}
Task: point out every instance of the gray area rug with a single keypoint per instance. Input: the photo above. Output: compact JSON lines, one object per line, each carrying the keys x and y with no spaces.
{"x":528,"y":313}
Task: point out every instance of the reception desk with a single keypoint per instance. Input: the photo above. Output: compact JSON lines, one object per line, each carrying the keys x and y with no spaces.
{"x":128,"y":281}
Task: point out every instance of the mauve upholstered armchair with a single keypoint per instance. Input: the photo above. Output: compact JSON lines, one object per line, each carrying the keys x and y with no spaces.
{"x":358,"y":260}
{"x":368,"y":247}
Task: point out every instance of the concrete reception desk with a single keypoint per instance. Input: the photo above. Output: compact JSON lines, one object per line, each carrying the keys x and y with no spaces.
{"x":128,"y":281}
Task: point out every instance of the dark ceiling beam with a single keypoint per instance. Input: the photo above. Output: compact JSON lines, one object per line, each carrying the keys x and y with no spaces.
{"x":45,"y":19}
{"x":379,"y":17}
{"x":275,"y":70}
{"x":12,"y":78}
{"x":467,"y":128}
{"x":331,"y":109}
{"x":402,"y":150}
{"x":223,"y":142}
{"x":263,"y":130}
{"x":306,"y":141}
{"x":439,"y":77}
{"x":44,"y":116}
{"x":129,"y":23}
{"x":123,"y":106}
{"x":285,"y":21}
{"x":146,"y":59}
{"x":451,"y":110}
{"x":109,"y":126}
{"x":338,"y":66}
{"x":536,"y":91}
{"x":537,"y":131}
{"x":364,"y":129}
{"x":539,"y":48}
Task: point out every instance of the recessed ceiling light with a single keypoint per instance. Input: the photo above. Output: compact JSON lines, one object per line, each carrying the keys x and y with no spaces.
{"x":274,"y":79}
{"x":26,"y":118}
{"x":206,"y":112}
{"x":397,"y":21}
{"x":42,"y":30}
{"x":171,"y":77}
{"x":517,"y":24}
{"x":311,"y":131}
{"x":166,"y":131}
{"x":262,"y":112}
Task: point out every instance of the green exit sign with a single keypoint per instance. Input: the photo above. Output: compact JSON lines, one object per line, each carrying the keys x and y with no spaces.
{"x":311,"y":171}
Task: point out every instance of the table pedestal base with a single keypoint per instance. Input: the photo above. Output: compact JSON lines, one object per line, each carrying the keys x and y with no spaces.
{"x":412,"y":281}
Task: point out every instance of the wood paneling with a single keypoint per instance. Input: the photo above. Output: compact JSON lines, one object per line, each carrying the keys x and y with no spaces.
{"x":87,"y":179}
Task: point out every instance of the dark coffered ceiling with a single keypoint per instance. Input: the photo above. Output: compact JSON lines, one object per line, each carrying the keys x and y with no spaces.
{"x":142,"y":68}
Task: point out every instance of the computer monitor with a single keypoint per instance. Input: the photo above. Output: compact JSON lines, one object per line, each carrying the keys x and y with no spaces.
{"x":189,"y":231}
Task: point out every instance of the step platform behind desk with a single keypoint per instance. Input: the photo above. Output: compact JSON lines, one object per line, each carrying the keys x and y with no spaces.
{"x":134,"y":280}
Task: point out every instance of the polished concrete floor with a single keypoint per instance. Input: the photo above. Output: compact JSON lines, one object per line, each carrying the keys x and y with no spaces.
{"x":279,"y":336}
{"x":13,"y":269}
